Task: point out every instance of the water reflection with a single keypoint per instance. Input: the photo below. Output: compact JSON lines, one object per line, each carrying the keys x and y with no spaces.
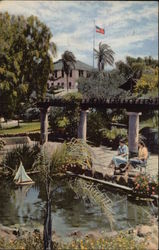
{"x":25,"y":205}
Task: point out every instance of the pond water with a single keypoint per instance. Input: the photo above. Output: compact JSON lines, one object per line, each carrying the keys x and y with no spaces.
{"x":24,"y":206}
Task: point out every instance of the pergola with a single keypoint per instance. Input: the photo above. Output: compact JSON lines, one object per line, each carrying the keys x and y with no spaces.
{"x":134,"y":108}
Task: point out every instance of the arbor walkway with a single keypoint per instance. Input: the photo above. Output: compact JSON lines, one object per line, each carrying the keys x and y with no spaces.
{"x":103,"y":156}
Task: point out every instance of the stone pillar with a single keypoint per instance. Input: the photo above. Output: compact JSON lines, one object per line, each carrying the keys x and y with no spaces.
{"x":82,"y":129}
{"x":43,"y":125}
{"x":133,"y":133}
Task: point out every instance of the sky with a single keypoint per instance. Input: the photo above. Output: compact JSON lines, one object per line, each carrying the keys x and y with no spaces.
{"x":131,"y":27}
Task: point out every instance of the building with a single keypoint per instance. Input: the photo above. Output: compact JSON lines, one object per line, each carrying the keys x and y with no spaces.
{"x":59,"y":78}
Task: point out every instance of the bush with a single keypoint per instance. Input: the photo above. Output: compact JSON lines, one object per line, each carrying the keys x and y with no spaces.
{"x":66,"y":118}
{"x":112,"y":137}
{"x":32,"y":242}
{"x":120,"y":242}
{"x":145,"y":184}
{"x":24,"y":153}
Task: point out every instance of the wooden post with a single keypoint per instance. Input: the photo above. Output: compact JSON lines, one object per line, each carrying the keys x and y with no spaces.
{"x":44,"y":125}
{"x":82,"y":129}
{"x":133,"y":133}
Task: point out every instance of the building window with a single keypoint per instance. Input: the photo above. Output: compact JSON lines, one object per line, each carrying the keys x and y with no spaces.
{"x":88,"y":74}
{"x":55,"y":73}
{"x":69,"y":85}
{"x":80,"y":73}
{"x":62,"y":73}
{"x":62,"y":85}
{"x":70,"y":73}
{"x":58,"y":84}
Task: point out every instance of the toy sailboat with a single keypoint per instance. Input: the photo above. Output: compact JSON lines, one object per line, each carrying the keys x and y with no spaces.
{"x":21,"y":177}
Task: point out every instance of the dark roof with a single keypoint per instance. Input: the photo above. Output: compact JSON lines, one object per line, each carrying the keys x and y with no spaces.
{"x":129,"y":84}
{"x":78,"y":65}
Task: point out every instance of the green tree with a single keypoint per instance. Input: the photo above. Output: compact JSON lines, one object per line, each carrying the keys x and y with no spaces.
{"x":105,"y":55}
{"x":68,"y":61}
{"x":26,"y":53}
{"x":132,"y":68}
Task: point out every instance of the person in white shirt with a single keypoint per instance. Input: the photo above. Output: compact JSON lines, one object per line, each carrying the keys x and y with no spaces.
{"x":122,"y":157}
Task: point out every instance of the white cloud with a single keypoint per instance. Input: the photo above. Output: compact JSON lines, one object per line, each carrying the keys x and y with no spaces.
{"x":128,"y":24}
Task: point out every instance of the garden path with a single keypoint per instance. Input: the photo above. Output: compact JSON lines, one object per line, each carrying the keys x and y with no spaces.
{"x":103,"y":156}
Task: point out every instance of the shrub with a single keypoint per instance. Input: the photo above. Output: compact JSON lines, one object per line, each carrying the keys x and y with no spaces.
{"x":145,"y":184}
{"x":120,"y":242}
{"x":24,"y":153}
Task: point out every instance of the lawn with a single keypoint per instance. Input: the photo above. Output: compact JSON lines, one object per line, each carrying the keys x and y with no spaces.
{"x":24,"y":128}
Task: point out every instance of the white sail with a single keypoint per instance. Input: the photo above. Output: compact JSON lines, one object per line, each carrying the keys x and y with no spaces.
{"x":21,"y":176}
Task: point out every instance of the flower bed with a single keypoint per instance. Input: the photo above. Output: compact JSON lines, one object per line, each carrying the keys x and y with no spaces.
{"x":145,"y":185}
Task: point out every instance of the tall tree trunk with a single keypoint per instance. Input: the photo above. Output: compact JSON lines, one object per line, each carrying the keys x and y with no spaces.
{"x":48,"y":222}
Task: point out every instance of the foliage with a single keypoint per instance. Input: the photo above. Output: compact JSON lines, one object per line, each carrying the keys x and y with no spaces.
{"x":104,"y":56}
{"x":25,"y":61}
{"x":120,"y":242}
{"x":89,"y":192}
{"x":148,"y":82}
{"x":96,"y":122}
{"x":114,"y":133}
{"x":31,"y":114}
{"x":66,"y":118}
{"x":79,"y":154}
{"x":102,"y":85}
{"x":50,"y":162}
{"x":75,"y":153}
{"x":68,"y":61}
{"x":145,"y":184}
{"x":130,"y":68}
{"x":31,"y":242}
{"x":24,"y":153}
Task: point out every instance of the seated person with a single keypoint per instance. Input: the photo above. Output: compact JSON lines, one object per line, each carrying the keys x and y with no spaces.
{"x":142,"y":155}
{"x":122,"y":157}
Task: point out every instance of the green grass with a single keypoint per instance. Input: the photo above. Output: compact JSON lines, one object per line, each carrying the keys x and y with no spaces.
{"x":24,"y":128}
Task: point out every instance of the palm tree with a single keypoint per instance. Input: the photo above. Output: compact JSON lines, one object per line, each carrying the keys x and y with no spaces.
{"x":68,"y":60}
{"x":105,"y":55}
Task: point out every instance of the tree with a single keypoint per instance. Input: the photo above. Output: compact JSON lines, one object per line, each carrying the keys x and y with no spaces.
{"x":105,"y":55}
{"x":26,"y":54}
{"x":148,"y":83}
{"x":132,"y":68}
{"x":68,"y":60}
{"x":76,"y":153}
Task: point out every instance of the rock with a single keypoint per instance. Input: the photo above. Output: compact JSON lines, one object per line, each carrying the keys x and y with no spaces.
{"x":144,"y":230}
{"x":111,"y":234}
{"x":151,"y":246}
{"x":16,"y":232}
{"x":98,"y":175}
{"x":88,"y":172}
{"x":36,"y":230}
{"x":93,"y":235}
{"x":76,"y":234}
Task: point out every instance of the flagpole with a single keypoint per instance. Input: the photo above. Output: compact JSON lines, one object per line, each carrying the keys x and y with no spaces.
{"x":93,"y":40}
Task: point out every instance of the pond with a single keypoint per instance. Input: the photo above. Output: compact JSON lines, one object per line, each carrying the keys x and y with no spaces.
{"x":24,"y":206}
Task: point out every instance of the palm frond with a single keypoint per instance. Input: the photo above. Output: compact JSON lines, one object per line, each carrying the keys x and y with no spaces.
{"x":89,"y":191}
